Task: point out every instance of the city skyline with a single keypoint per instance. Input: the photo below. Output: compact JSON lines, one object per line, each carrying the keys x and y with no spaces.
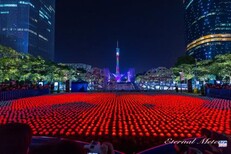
{"x":151,"y":34}
{"x":88,"y":35}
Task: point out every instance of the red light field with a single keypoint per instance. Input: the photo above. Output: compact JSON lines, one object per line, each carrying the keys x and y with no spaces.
{"x":114,"y":117}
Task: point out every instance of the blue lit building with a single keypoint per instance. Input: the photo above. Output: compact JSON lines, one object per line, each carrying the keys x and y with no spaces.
{"x":208,"y":28}
{"x":28,"y":26}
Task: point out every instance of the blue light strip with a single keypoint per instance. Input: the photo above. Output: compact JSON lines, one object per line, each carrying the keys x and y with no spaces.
{"x":8,"y":5}
{"x":4,"y":12}
{"x":189,"y":4}
{"x":26,"y":3}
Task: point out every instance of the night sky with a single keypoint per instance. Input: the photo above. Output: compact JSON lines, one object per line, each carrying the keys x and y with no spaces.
{"x":150,"y":33}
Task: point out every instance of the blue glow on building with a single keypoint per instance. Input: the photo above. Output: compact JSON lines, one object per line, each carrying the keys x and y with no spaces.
{"x":208,"y":28}
{"x":28,"y":26}
{"x":189,"y":4}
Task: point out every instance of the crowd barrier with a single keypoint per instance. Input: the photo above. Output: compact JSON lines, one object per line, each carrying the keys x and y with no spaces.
{"x":218,"y":93}
{"x":16,"y":94}
{"x":39,"y":142}
{"x":161,"y":149}
{"x":169,"y":148}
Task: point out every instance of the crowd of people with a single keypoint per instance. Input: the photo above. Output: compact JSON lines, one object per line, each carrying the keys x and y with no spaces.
{"x":15,"y":138}
{"x":218,"y":86}
{"x":14,"y":90}
{"x":206,"y":147}
{"x":16,"y":86}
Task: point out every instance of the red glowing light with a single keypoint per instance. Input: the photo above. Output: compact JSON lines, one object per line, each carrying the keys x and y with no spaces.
{"x":109,"y":114}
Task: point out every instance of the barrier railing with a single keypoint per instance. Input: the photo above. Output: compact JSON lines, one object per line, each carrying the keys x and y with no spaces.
{"x":39,"y":141}
{"x":169,"y":147}
{"x":219,"y":93}
{"x":16,"y":94}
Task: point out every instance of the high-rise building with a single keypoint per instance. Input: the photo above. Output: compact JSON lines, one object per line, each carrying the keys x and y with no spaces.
{"x":208,"y":28}
{"x":28,"y":26}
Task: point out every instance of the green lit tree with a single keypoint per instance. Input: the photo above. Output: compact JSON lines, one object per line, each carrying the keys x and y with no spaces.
{"x":27,"y":68}
{"x":219,"y":68}
{"x":187,"y":69}
{"x":222,"y":67}
{"x":185,"y":60}
{"x":202,"y":70}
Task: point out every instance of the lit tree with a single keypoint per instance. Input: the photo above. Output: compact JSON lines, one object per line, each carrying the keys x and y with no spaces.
{"x":222,"y":67}
{"x":219,"y":68}
{"x":26,"y":68}
{"x":187,"y":69}
{"x":202,"y":70}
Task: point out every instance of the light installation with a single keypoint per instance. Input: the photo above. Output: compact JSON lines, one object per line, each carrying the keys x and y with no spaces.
{"x":83,"y":116}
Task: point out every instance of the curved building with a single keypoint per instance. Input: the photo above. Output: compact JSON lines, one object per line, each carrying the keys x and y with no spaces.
{"x":208,"y":28}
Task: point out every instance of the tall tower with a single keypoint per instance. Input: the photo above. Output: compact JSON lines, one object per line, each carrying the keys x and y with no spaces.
{"x":117,"y":59}
{"x":117,"y":75}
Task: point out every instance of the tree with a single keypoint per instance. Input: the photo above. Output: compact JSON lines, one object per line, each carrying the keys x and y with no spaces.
{"x":187,"y":69}
{"x":6,"y":52}
{"x":218,"y":68}
{"x":27,"y":68}
{"x":202,"y":70}
{"x":221,"y":67}
{"x":185,"y":60}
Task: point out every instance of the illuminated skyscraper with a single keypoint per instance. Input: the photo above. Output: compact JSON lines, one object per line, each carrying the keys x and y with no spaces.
{"x":28,"y":26}
{"x":208,"y":28}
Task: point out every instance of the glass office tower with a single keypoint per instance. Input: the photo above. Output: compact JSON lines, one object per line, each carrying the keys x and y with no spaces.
{"x":208,"y":28}
{"x":28,"y":26}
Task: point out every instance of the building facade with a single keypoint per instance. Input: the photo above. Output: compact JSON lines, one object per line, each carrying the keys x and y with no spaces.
{"x":208,"y":28}
{"x":28,"y":26}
